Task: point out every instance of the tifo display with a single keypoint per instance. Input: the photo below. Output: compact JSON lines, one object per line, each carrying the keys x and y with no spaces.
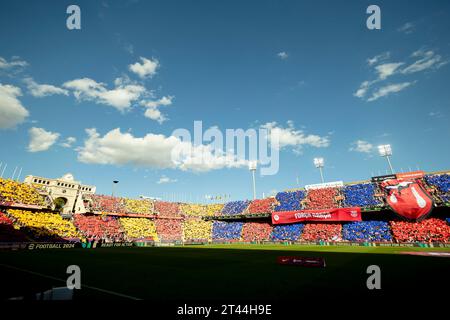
{"x":26,"y":215}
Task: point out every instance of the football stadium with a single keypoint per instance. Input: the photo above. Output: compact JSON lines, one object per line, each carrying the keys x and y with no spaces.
{"x":336,"y":225}
{"x":224,"y":158}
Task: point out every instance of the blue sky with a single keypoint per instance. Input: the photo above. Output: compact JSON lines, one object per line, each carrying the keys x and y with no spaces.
{"x":310,"y":69}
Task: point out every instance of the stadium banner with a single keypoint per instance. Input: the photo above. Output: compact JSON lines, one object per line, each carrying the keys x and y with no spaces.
{"x":385,"y":177}
{"x":53,"y":245}
{"x":408,"y":198}
{"x":324,"y":185}
{"x":337,"y":214}
{"x":317,"y":262}
{"x":410,"y":175}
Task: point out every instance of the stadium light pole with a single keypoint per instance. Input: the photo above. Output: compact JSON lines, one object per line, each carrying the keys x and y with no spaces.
{"x":318,"y":163}
{"x":386,"y":151}
{"x":3,"y":171}
{"x":114,"y":187}
{"x":252,"y":165}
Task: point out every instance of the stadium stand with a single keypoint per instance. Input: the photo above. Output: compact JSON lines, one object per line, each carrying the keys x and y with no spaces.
{"x":360,"y":195}
{"x":13,"y":191}
{"x":9,"y":233}
{"x":376,"y":231}
{"x":323,"y":198}
{"x":143,"y":206}
{"x":214,"y":209}
{"x":45,"y":226}
{"x":167,"y":209}
{"x":442,"y":183}
{"x":196,"y":229}
{"x":322,"y":232}
{"x":262,"y":206}
{"x":138,"y":229}
{"x":256,"y":231}
{"x":169,"y":229}
{"x":287,"y":232}
{"x":235,"y":207}
{"x":105,"y":203}
{"x":93,"y":228}
{"x":196,"y":210}
{"x":289,"y":200}
{"x":226,"y":231}
{"x":429,"y":230}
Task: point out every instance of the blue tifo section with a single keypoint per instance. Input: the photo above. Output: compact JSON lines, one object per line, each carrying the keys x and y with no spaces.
{"x":442,"y":182}
{"x":235,"y":207}
{"x":367,"y":231}
{"x":227,"y":230}
{"x":290,"y":232}
{"x":289,"y":200}
{"x":360,"y":195}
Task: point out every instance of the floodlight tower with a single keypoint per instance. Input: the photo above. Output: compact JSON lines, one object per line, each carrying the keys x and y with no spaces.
{"x":319,"y":162}
{"x":252,"y":165}
{"x":114,"y":187}
{"x":385,"y":150}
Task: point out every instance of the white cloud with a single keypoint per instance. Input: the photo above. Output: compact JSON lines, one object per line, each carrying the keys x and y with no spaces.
{"x":387,"y":90}
{"x":387,"y":69}
{"x":361,"y":146}
{"x":378,"y":58}
{"x":428,"y":60}
{"x":41,"y":140}
{"x":407,"y":28}
{"x":121,"y":97}
{"x":145,"y":69}
{"x":43,"y":90}
{"x":362,"y":90}
{"x":155,"y":114}
{"x":152,"y":108}
{"x":68,"y":142}
{"x":153,"y":151}
{"x":282,"y":55}
{"x":12,"y":112}
{"x":290,"y":137}
{"x":14,"y":63}
{"x":425,"y":60}
{"x":164,"y":180}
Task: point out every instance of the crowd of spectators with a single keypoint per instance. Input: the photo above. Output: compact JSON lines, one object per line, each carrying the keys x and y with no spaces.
{"x":442,"y":184}
{"x":169,"y":229}
{"x":227,"y":231}
{"x":138,"y":229}
{"x":13,"y":191}
{"x":106,"y":203}
{"x":8,"y":232}
{"x":45,"y":226}
{"x":289,"y":200}
{"x":167,"y":209}
{"x":235,"y":207}
{"x":256,"y":231}
{"x":262,"y":206}
{"x":322,"y":232}
{"x":197,"y":229}
{"x":287,"y":232}
{"x":322,"y":198}
{"x":360,"y":195}
{"x":214,"y":209}
{"x":140,"y":206}
{"x":429,"y":230}
{"x":96,"y":228}
{"x":376,"y":231}
{"x":195,"y":210}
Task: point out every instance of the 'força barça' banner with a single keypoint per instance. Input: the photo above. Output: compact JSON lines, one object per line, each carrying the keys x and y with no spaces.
{"x":338,"y":214}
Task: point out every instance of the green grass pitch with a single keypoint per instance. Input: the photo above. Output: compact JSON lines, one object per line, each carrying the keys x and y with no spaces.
{"x":221,"y":272}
